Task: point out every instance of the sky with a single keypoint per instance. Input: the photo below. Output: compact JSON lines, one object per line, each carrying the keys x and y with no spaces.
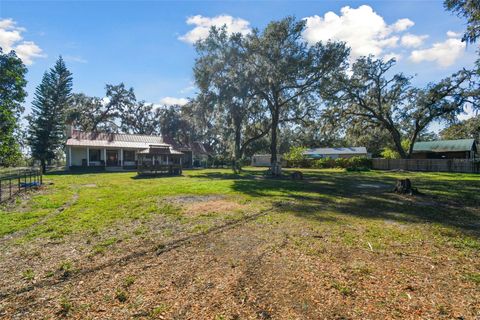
{"x":148,"y":45}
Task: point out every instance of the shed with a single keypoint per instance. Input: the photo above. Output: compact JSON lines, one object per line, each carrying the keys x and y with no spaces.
{"x":445,"y":149}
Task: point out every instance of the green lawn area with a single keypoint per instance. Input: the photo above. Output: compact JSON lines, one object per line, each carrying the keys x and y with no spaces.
{"x":346,"y":222}
{"x":94,"y":201}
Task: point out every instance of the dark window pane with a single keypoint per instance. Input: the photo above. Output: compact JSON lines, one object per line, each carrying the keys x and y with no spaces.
{"x":94,"y":154}
{"x":128,"y":155}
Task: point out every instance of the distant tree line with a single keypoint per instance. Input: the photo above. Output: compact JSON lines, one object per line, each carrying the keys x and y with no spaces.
{"x":267,"y":91}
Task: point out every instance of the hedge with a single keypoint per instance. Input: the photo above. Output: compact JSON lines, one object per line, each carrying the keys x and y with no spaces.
{"x":351,"y":164}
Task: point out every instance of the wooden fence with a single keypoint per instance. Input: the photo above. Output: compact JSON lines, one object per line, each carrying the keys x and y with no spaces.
{"x":438,"y":165}
{"x":19,"y":180}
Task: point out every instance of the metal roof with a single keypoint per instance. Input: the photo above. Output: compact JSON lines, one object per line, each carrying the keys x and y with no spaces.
{"x":113,"y":140}
{"x":160,"y":150}
{"x":445,"y":146}
{"x":332,"y":151}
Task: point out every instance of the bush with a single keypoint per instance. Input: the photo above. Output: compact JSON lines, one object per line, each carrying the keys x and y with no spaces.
{"x":296,"y":158}
{"x":351,"y":164}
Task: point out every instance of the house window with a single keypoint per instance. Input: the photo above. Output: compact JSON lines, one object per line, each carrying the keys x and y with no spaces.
{"x":128,"y":155}
{"x":94,"y":154}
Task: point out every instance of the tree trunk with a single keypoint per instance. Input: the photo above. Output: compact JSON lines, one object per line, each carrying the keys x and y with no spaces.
{"x":237,"y":152}
{"x":43,"y":164}
{"x":398,"y":144}
{"x":275,"y":168}
{"x":412,"y":142}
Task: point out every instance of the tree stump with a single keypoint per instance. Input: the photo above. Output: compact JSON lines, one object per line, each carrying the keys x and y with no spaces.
{"x":404,"y":186}
{"x":296,"y":175}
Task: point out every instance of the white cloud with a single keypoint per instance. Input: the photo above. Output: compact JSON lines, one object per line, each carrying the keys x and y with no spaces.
{"x":11,"y":39}
{"x":362,"y":29}
{"x":413,"y":41}
{"x":392,"y":55}
{"x":203,"y":25}
{"x":402,"y":24}
{"x":443,"y":53}
{"x":75,"y":59}
{"x":170,"y":101}
{"x":453,"y":34}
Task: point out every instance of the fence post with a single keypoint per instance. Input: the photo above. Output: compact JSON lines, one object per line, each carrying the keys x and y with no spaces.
{"x":10,"y":182}
{"x":0,"y":190}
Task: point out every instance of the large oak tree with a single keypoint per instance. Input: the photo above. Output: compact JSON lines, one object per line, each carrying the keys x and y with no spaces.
{"x":289,"y":73}
{"x":372,"y":95}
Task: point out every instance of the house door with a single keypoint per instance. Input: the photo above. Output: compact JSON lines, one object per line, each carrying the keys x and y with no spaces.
{"x":112,"y":158}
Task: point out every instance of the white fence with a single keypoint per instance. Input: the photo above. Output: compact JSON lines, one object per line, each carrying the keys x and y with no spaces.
{"x":439,"y":165}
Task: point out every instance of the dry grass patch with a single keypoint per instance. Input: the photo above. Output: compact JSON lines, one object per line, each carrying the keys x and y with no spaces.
{"x":212,"y":207}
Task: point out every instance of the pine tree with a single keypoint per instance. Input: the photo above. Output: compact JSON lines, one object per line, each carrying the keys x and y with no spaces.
{"x":49,"y":107}
{"x":12,"y":94}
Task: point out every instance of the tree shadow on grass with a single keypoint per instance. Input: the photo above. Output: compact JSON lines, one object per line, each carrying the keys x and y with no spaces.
{"x":83,"y":172}
{"x":365,"y":196}
{"x":154,"y":176}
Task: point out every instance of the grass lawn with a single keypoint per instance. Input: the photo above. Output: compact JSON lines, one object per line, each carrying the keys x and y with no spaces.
{"x":214,"y":245}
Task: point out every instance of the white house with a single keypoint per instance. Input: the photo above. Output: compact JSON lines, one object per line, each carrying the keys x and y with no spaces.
{"x":92,"y":149}
{"x":334,"y":153}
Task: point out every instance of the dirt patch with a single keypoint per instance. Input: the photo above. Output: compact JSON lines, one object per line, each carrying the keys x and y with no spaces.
{"x":212,"y":206}
{"x":188,"y":199}
{"x":89,"y":185}
{"x":197,"y":205}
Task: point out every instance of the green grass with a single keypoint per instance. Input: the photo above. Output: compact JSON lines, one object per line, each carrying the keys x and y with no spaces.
{"x":327,"y":201}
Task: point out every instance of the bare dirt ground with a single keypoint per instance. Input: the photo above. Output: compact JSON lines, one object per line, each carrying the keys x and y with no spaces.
{"x":258,"y":267}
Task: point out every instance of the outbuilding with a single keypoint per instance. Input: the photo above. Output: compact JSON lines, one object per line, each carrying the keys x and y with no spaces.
{"x":445,"y":149}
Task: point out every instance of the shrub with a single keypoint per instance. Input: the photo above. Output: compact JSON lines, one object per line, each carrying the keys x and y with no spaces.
{"x":296,"y":158}
{"x":351,"y":164}
{"x":359,"y":163}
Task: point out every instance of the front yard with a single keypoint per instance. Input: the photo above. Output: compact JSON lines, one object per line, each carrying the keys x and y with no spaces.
{"x":214,"y":245}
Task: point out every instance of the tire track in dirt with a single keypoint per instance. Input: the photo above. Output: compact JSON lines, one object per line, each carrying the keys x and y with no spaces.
{"x":56,"y":212}
{"x":158,"y":249}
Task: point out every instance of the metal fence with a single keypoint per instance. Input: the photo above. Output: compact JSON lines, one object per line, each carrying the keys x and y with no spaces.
{"x":435,"y":165}
{"x":14,"y":181}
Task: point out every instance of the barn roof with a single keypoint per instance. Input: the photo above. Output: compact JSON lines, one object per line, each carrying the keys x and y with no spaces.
{"x":333,"y":151}
{"x":445,"y":145}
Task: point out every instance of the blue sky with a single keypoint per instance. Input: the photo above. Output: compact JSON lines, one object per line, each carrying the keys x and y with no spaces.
{"x":146,"y":44}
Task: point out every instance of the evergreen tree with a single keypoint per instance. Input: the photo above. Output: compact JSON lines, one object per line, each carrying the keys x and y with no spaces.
{"x":12,"y":94}
{"x":47,"y":121}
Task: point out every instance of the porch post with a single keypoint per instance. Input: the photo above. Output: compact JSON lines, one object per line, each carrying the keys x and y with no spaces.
{"x":105,"y":156}
{"x":88,"y":157}
{"x":167,"y":158}
{"x":69,"y":156}
{"x":121,"y":157}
